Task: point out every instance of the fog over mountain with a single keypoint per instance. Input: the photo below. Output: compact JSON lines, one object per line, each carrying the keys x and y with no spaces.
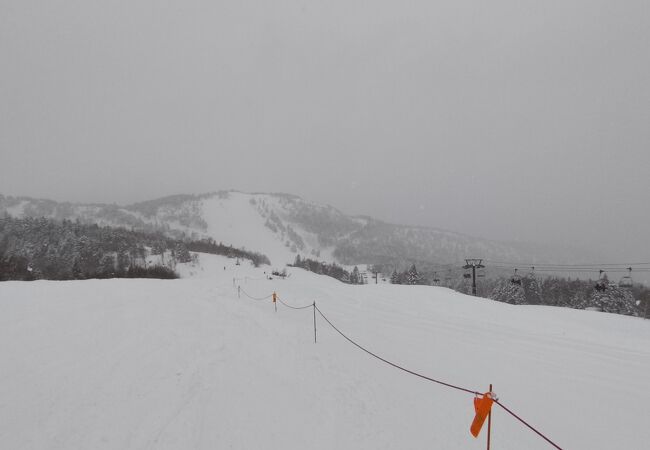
{"x":283,"y":226}
{"x":513,"y":120}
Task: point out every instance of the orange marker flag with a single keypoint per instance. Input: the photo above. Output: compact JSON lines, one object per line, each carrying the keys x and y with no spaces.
{"x":482,"y":406}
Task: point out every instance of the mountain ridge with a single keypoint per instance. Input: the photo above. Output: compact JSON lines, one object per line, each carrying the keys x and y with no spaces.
{"x":284,"y":225}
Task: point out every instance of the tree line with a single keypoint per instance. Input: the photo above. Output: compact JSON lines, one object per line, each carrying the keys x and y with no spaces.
{"x":570,"y":293}
{"x":535,"y":290}
{"x":210,"y":246}
{"x":41,"y":248}
{"x":410,"y":276}
{"x":330,"y":269}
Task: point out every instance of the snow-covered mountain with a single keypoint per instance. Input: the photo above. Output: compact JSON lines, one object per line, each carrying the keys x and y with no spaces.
{"x":282,"y":226}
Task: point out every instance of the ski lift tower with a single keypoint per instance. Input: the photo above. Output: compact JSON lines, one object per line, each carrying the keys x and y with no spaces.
{"x":473,"y":264}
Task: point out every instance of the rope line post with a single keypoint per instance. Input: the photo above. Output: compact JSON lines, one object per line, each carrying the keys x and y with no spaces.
{"x":275,"y":296}
{"x":490,"y":395}
{"x":314,"y":307}
{"x":489,"y":423}
{"x":238,"y":291}
{"x":476,"y":393}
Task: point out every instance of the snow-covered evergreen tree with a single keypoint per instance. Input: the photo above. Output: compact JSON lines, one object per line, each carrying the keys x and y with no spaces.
{"x":355,"y":276}
{"x":412,"y":276}
{"x":508,"y":292}
{"x":181,"y":253}
{"x":579,"y":300}
{"x":613,"y":300}
{"x":107,"y":265}
{"x":532,"y":290}
{"x":394,"y":277}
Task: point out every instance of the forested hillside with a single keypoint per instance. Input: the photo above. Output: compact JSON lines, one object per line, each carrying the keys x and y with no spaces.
{"x":601,"y":295}
{"x":283,"y":226}
{"x":40,"y":248}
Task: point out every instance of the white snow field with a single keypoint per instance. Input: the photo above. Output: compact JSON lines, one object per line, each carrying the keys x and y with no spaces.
{"x":185,"y":364}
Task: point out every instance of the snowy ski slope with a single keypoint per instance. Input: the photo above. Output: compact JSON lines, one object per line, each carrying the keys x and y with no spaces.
{"x":234,"y":220}
{"x":185,"y":364}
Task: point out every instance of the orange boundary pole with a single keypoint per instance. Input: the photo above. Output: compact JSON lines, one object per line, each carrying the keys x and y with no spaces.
{"x":489,"y":424}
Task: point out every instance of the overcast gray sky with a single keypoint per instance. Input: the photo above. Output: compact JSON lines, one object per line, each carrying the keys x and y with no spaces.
{"x":507,"y":119}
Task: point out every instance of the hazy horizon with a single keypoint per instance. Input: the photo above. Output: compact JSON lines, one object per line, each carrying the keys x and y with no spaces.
{"x":516,"y":121}
{"x":580,"y":251}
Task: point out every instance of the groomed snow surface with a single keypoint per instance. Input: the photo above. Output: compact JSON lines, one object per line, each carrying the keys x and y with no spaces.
{"x":185,"y":364}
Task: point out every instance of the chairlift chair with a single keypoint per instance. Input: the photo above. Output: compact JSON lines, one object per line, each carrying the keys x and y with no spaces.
{"x":626,"y":281}
{"x":531,"y":274}
{"x":600,"y":286}
{"x":515,"y":279}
